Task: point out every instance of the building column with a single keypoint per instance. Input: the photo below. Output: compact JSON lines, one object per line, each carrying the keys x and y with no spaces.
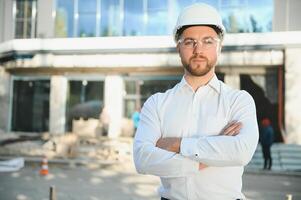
{"x":292,"y":95}
{"x":58,"y":98}
{"x":233,"y":80}
{"x":7,"y":24}
{"x":5,"y":114}
{"x":45,"y":19}
{"x":114,"y":87}
{"x":2,"y":11}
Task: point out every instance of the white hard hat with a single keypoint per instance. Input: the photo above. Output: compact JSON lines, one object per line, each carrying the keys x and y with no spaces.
{"x":199,"y":14}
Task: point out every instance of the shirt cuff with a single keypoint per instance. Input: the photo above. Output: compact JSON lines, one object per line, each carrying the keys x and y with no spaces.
{"x":190,"y":166}
{"x":189,"y":148}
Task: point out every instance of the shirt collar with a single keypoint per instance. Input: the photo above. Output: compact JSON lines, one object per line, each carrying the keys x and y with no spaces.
{"x":213,"y":83}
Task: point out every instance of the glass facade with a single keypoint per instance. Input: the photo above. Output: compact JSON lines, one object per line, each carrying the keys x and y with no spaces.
{"x":87,"y":18}
{"x":30,"y":105}
{"x":111,"y":18}
{"x":156,"y":17}
{"x":137,"y":91}
{"x":64,"y":21}
{"x":90,"y":18}
{"x":84,"y":100}
{"x":247,"y":16}
{"x":133,"y":18}
{"x":25,"y":18}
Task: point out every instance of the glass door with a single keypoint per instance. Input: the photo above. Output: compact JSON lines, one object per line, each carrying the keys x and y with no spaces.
{"x":30,"y":111}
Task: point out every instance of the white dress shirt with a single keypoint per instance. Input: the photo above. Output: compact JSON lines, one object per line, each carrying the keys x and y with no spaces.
{"x":198,"y":118}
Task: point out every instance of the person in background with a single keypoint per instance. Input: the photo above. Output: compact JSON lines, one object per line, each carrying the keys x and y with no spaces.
{"x":266,"y":140}
{"x":198,"y":136}
{"x":136,"y":119}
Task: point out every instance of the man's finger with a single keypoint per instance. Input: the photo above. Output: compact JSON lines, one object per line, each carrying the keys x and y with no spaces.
{"x":202,"y":166}
{"x":227,"y":126}
{"x":233,"y":129}
{"x":237,"y":130}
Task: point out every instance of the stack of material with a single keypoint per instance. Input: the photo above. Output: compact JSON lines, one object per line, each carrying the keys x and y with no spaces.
{"x":63,"y":146}
{"x":105,"y":149}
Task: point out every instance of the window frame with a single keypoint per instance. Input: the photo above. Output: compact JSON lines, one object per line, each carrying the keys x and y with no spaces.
{"x":32,"y":20}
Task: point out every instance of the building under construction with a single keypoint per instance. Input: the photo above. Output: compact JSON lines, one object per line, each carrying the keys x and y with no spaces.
{"x":62,"y":60}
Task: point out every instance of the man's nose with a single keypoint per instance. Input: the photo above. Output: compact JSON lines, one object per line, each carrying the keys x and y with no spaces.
{"x":198,"y":48}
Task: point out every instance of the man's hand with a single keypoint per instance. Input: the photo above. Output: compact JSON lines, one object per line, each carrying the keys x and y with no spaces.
{"x":232,"y":129}
{"x":170,"y":144}
{"x":202,"y":166}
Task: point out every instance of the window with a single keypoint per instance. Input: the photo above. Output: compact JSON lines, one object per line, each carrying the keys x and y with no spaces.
{"x":25,"y":18}
{"x":85,"y":100}
{"x":111,"y":18}
{"x":133,"y":20}
{"x":247,"y":16}
{"x":157,"y":15}
{"x":87,"y":18}
{"x":64,"y":21}
{"x":93,"y":18}
{"x":137,"y":91}
{"x":31,"y":105}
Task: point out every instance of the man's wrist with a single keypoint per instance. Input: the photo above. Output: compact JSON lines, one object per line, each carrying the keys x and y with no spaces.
{"x":179,"y":145}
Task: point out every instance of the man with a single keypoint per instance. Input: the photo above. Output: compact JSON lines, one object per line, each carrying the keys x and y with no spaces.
{"x":136,"y":118}
{"x":266,"y":138}
{"x":198,"y":136}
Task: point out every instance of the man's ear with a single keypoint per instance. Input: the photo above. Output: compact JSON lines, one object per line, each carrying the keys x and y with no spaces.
{"x":178,"y":48}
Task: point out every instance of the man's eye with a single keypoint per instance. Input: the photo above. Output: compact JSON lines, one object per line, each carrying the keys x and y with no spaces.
{"x":188,"y":42}
{"x":208,"y":41}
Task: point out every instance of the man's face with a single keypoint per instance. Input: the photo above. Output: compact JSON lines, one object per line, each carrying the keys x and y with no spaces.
{"x":199,"y":47}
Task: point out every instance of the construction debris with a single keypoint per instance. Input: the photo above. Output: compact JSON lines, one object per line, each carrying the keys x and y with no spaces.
{"x":69,"y":146}
{"x":11,"y":165}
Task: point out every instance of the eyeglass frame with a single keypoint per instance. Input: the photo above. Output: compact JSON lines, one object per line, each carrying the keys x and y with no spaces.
{"x":196,"y":42}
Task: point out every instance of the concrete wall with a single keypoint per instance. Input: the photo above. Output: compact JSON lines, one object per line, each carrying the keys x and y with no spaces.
{"x":4,"y":99}
{"x":6,"y":20}
{"x":45,"y":19}
{"x":58,"y":98}
{"x":1,"y":20}
{"x":293,"y":95}
{"x":287,"y":15}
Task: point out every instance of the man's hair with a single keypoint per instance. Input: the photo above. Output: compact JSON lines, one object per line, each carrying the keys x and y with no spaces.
{"x":215,"y":28}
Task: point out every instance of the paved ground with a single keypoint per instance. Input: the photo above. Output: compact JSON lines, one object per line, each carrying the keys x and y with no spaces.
{"x":122,"y":182}
{"x":260,"y":186}
{"x":286,"y":157}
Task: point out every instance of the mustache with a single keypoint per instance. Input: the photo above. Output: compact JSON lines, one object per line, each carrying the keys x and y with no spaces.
{"x":197,"y":56}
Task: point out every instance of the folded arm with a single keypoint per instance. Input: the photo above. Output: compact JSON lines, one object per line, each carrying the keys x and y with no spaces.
{"x":150,"y":159}
{"x":228,"y":148}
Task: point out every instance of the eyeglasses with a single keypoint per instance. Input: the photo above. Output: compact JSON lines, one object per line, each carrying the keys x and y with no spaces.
{"x":206,"y":43}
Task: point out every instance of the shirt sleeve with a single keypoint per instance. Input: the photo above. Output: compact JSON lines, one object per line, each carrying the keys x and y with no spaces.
{"x":221,"y":150}
{"x":150,"y":159}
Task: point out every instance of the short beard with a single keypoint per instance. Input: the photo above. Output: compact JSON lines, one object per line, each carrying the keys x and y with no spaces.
{"x":197,"y":72}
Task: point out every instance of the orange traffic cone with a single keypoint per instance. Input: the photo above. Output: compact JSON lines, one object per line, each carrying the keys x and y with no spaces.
{"x":44,"y":167}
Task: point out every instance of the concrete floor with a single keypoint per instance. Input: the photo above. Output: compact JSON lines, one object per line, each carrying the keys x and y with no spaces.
{"x":122,"y":182}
